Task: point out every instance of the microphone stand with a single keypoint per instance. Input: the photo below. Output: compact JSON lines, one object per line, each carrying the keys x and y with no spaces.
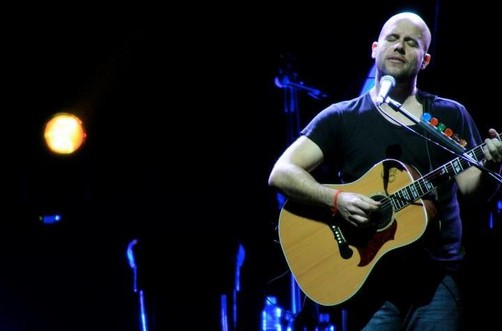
{"x":136,"y":289}
{"x":241,"y":254}
{"x":288,"y":80}
{"x":447,"y":143}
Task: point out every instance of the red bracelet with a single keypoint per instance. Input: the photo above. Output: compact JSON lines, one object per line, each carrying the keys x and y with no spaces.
{"x":334,"y":209}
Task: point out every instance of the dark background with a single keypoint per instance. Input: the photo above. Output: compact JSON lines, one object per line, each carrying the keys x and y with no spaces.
{"x":184,"y":122}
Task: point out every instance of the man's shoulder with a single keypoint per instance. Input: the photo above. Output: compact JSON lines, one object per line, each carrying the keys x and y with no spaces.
{"x":361,"y":101}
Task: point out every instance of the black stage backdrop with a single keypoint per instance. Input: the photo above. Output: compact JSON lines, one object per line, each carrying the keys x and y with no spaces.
{"x":184,"y":122}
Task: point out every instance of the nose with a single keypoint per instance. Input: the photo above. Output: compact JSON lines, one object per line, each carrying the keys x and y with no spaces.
{"x":399,"y":47}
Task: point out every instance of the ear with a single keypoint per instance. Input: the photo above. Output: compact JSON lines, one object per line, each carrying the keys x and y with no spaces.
{"x":426,"y":61}
{"x":374,"y":45}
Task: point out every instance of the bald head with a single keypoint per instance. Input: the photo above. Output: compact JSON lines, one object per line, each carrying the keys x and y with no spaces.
{"x":424,"y":34}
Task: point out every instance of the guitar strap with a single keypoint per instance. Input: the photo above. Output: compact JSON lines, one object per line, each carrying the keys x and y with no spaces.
{"x":427,"y":105}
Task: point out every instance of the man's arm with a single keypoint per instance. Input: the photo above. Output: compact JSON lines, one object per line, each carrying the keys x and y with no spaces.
{"x":291,"y":174}
{"x":479,"y":184}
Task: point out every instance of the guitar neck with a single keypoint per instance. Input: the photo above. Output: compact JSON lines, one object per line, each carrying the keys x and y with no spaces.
{"x":426,"y":184}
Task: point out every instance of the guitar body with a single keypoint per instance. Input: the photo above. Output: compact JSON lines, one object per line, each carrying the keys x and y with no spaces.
{"x":330,"y":259}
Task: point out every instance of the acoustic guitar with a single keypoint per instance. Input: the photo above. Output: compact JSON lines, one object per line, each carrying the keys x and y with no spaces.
{"x":330,"y":259}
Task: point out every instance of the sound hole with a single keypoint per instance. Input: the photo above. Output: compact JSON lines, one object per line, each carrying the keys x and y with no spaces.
{"x":382,"y":218}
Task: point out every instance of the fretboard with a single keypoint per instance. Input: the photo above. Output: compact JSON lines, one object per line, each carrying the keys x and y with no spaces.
{"x":445,"y":173}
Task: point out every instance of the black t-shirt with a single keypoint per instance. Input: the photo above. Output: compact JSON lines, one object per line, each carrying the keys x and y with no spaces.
{"x":354,"y":137}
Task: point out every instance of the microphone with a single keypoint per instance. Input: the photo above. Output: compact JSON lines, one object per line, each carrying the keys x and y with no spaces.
{"x":387,"y":82}
{"x":132,"y":263}
{"x":130,"y":253}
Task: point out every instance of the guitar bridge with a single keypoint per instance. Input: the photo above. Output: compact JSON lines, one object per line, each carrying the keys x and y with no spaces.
{"x":343,"y":245}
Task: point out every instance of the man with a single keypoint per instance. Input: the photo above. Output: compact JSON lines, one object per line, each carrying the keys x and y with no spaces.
{"x":415,"y":286}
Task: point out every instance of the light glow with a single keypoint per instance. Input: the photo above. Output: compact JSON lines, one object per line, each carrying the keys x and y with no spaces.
{"x":64,"y":133}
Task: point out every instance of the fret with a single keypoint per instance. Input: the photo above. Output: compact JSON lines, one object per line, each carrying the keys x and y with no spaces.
{"x":401,"y":199}
{"x":429,"y":186}
{"x":443,"y":169}
{"x":457,"y":166}
{"x":414,"y":192}
{"x":394,"y":203}
{"x":406,"y":194}
{"x":473,"y":155}
{"x":423,"y":184}
{"x":419,"y":187}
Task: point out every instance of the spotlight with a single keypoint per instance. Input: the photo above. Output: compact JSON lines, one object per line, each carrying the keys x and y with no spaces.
{"x":64,"y":133}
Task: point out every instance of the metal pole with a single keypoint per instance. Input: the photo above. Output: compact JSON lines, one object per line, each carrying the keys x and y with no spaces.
{"x":288,"y":81}
{"x":134,"y":267}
